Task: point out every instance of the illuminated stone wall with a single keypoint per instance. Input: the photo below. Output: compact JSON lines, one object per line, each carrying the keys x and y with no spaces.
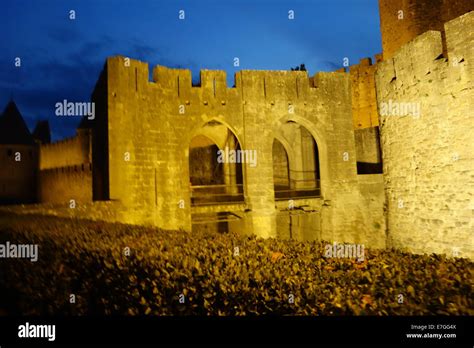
{"x":70,"y":151}
{"x":364,"y":100}
{"x":365,"y":116}
{"x":428,"y":156}
{"x":149,"y":126}
{"x":417,"y":104}
{"x":63,"y":184}
{"x":65,"y":170}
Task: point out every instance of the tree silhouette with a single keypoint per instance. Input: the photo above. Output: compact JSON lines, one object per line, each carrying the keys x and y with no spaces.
{"x":301,"y":67}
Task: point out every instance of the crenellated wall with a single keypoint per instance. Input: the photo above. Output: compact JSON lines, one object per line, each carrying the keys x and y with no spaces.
{"x":152,"y":124}
{"x":413,"y":111}
{"x":65,"y":170}
{"x":428,"y":151}
{"x":67,"y":152}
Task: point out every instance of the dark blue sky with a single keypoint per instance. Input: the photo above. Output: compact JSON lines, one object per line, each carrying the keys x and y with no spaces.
{"x":62,"y":58}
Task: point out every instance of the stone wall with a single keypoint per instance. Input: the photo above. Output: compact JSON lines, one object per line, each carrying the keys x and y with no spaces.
{"x":420,"y":99}
{"x":419,"y":16}
{"x":110,"y":211}
{"x":372,"y":196}
{"x":148,"y":127}
{"x":65,"y":170}
{"x":364,"y":100}
{"x":302,"y":221}
{"x":369,"y":155}
{"x":76,"y":150}
{"x":365,"y":116}
{"x":368,"y":145}
{"x":60,"y":185}
{"x":18,"y":178}
{"x":428,"y":153}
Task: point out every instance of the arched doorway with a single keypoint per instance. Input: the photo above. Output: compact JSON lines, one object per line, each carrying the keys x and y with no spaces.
{"x":215,"y":168}
{"x":296,"y":169}
{"x":204,"y":169}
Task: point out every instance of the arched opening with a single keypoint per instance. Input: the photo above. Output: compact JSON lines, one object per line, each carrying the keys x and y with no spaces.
{"x":215,"y":168}
{"x":281,"y":167}
{"x":204,"y":169}
{"x":296,"y":170}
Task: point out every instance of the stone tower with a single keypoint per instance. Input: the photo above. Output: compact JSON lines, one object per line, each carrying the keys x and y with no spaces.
{"x":18,"y":158}
{"x":403,"y":20}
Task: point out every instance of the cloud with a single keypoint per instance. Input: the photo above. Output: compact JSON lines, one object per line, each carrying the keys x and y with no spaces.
{"x":63,"y":35}
{"x":40,"y":84}
{"x":329,"y":65}
{"x":143,"y":51}
{"x":71,"y":75}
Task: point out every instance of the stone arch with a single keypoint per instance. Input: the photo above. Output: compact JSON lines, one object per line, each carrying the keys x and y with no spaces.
{"x":196,"y":130}
{"x":281,"y":165}
{"x":227,"y":188}
{"x":318,"y":134}
{"x":203,"y":166}
{"x":286,"y":145}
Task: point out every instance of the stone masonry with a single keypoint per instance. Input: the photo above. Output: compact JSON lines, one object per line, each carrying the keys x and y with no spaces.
{"x":411,"y":111}
{"x":428,"y":157}
{"x":148,"y":136}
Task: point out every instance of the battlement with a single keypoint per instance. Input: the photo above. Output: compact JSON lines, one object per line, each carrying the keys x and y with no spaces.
{"x":75,"y":168}
{"x":249,"y":84}
{"x":66,"y":152}
{"x":213,"y":83}
{"x":363,"y":62}
{"x":64,"y":141}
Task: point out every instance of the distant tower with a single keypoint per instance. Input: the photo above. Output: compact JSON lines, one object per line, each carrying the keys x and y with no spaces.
{"x":42,"y":133}
{"x":18,"y":158}
{"x":403,"y":20}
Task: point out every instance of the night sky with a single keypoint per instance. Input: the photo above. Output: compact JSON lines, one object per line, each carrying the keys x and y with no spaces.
{"x":62,"y":58}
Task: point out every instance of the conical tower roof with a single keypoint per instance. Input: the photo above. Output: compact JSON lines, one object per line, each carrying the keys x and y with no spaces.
{"x":13,"y":129}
